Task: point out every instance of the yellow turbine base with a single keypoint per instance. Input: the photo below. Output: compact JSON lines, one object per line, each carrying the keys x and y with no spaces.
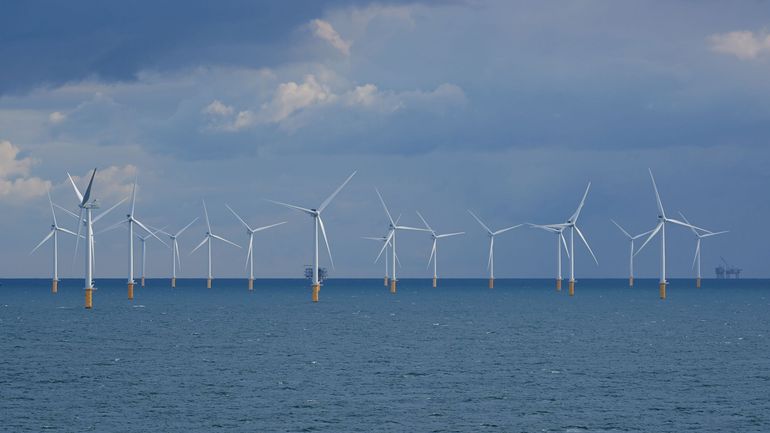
{"x":130,"y":291}
{"x":208,"y":283}
{"x":386,"y":281}
{"x":54,"y":286}
{"x":697,"y":283}
{"x":173,"y":282}
{"x":491,"y":283}
{"x":142,"y":281}
{"x":558,"y":284}
{"x":630,"y":281}
{"x":316,"y":289}
{"x":89,"y":298}
{"x":393,"y":286}
{"x":434,"y":281}
{"x":251,"y":283}
{"x":662,"y":288}
{"x":572,"y":288}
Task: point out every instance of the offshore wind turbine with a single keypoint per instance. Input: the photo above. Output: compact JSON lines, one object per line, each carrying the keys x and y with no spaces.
{"x":207,"y":240}
{"x":87,"y":207}
{"x":387,"y":243}
{"x":143,"y":240}
{"x":571,"y":224}
{"x":491,"y":234}
{"x":560,"y":242}
{"x":175,"y":256}
{"x":661,"y":227}
{"x":250,"y":253}
{"x":318,"y":223}
{"x":631,"y":256}
{"x":54,"y":233}
{"x":131,"y":220}
{"x":699,"y":236}
{"x":434,"y":249}
{"x":393,"y":227}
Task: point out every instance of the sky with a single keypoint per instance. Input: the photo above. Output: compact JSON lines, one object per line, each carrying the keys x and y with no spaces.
{"x":508,"y":108}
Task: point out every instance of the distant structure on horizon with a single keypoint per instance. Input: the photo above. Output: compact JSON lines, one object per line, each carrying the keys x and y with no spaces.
{"x":727,"y":270}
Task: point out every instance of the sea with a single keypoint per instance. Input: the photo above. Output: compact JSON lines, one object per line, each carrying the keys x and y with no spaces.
{"x":461,"y":357}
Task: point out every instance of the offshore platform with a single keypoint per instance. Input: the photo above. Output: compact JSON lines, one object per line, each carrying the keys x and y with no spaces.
{"x":309,"y":273}
{"x":726,"y":270}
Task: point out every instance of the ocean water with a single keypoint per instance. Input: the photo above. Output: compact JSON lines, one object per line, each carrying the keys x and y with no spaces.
{"x":460,"y":357}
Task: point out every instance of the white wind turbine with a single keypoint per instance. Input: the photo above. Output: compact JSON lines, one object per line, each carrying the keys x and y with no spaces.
{"x":130,"y":220}
{"x":560,"y":242}
{"x":631,"y":257}
{"x":207,"y":239}
{"x":699,"y":236}
{"x":87,"y":207}
{"x":661,"y":227}
{"x":393,"y":227}
{"x":54,"y":233}
{"x":434,"y":249}
{"x":250,"y":253}
{"x":175,"y":256}
{"x":143,"y":240}
{"x":571,"y":224}
{"x":318,"y":223}
{"x":491,"y":234}
{"x":387,"y":242}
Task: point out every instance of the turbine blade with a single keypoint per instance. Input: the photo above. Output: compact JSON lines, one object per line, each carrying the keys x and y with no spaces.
{"x":42,"y":242}
{"x":248,"y":252}
{"x":105,"y":213}
{"x":576,"y":215}
{"x":398,"y":260}
{"x":412,"y":229}
{"x":334,"y":194}
{"x":50,"y":202}
{"x":87,"y":195}
{"x":697,"y":251}
{"x":224,"y":240}
{"x":671,"y":220}
{"x":186,"y":227}
{"x":326,"y":240}
{"x":238,"y":216}
{"x":642,"y":234}
{"x":583,"y":238}
{"x":385,"y":245}
{"x":69,"y":232}
{"x":506,"y":229}
{"x":384,"y":206}
{"x":69,"y":212}
{"x":205,"y":238}
{"x":178,"y":259}
{"x":112,"y":227}
{"x":649,"y":238}
{"x":432,"y":253}
{"x":622,"y":229}
{"x":714,"y":233}
{"x":308,"y":211}
{"x":480,"y":222}
{"x":77,"y":191}
{"x":259,"y":229}
{"x":564,"y":243}
{"x":77,"y":237}
{"x":657,"y":195}
{"x":425,"y":222}
{"x":151,"y":233}
{"x":491,"y":247}
{"x":133,"y":198}
{"x":446,"y":235}
{"x":206,"y":213}
{"x":688,"y":222}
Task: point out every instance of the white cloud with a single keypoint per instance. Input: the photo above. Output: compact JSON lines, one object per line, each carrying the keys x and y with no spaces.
{"x":745,"y":45}
{"x":217,"y":108}
{"x":15,"y":183}
{"x":291,"y":97}
{"x":325,"y":31}
{"x":57,"y":117}
{"x":112,"y":183}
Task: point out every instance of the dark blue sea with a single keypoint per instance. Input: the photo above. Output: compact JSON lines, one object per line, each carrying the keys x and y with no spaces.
{"x":457,"y":358}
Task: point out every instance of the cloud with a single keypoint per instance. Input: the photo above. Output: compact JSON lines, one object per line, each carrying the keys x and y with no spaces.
{"x":15,"y":183}
{"x":325,"y":31}
{"x":57,"y":117}
{"x":217,"y":108}
{"x":745,"y":45}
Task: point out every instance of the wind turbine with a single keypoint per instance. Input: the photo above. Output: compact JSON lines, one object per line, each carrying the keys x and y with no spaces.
{"x":699,"y":236}
{"x":631,"y":258}
{"x":387,"y":244}
{"x":250,"y":254}
{"x":571,"y":224}
{"x":434,"y":249}
{"x":88,"y":220}
{"x":318,"y":223}
{"x":560,"y":242}
{"x":54,"y":233}
{"x":207,"y":239}
{"x":131,"y":220}
{"x":175,"y":256}
{"x":491,"y":234}
{"x":661,"y":227}
{"x":393,"y":227}
{"x":143,"y":240}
